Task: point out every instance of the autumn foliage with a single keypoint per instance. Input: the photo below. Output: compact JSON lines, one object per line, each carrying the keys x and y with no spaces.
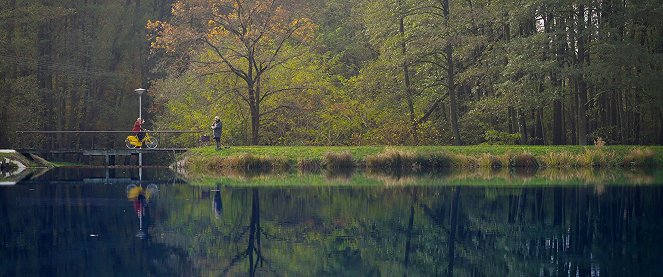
{"x":242,"y":37}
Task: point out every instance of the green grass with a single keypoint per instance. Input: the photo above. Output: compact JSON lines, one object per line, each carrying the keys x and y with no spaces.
{"x":361,"y":152}
{"x":289,"y":152}
{"x":436,"y":156}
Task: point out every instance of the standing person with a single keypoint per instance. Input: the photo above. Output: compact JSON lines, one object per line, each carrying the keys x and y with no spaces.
{"x":217,"y":126}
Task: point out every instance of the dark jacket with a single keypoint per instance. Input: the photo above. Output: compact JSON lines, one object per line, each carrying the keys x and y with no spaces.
{"x":217,"y":126}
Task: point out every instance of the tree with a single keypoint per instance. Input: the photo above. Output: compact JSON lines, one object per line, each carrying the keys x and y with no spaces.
{"x":245,"y":38}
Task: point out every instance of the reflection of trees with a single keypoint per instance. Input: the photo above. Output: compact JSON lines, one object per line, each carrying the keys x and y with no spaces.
{"x":430,"y":231}
{"x":254,"y":246}
{"x":46,"y":231}
{"x":534,"y":231}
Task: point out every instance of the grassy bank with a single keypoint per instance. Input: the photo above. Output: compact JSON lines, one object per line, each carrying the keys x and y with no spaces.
{"x":419,"y":158}
{"x":471,"y":177}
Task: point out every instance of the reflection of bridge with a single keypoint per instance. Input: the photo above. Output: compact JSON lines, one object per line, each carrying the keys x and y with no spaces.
{"x":100,"y":181}
{"x":111,"y":152}
{"x":106,"y":176}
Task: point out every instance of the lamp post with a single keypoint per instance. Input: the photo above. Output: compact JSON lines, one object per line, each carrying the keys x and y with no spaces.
{"x":140,"y":115}
{"x":140,"y":101}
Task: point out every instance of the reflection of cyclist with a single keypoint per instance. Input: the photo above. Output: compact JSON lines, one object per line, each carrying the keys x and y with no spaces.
{"x":140,"y":197}
{"x":139,"y":204}
{"x":138,"y":128}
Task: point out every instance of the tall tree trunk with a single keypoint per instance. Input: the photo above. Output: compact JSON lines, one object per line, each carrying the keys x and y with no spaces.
{"x":531,"y":130}
{"x":5,"y":88}
{"x":513,"y":125}
{"x":660,"y":125}
{"x":572,"y":111}
{"x":539,"y":130}
{"x":255,"y":124}
{"x":253,"y":85}
{"x":558,"y":42}
{"x":254,"y":109}
{"x":581,"y":83}
{"x":406,"y":79}
{"x":620,"y":117}
{"x":44,"y":79}
{"x":451,"y":86}
{"x":522,"y":127}
{"x":558,"y":119}
{"x":637,"y":126}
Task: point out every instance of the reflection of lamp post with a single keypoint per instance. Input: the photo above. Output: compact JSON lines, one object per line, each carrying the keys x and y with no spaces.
{"x":140,"y":101}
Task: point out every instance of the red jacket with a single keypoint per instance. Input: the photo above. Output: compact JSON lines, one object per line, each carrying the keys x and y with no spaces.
{"x":137,"y":126}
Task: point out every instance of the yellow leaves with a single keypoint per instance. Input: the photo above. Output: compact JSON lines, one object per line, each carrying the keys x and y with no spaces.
{"x":305,"y":29}
{"x":178,"y":8}
{"x":159,"y":33}
{"x":216,"y":32}
{"x":153,"y":25}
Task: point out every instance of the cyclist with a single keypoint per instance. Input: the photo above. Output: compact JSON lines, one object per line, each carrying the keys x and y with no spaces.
{"x":138,"y":129}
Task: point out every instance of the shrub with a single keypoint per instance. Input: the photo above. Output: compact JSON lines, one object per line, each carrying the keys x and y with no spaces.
{"x":309,"y":165}
{"x":640,"y":158}
{"x":490,"y":161}
{"x":278,"y":163}
{"x":599,"y":143}
{"x":338,"y":160}
{"x":434,"y":161}
{"x":464,"y":161}
{"x":392,"y":159}
{"x":596,"y":158}
{"x":523,"y":160}
{"x":559,"y":159}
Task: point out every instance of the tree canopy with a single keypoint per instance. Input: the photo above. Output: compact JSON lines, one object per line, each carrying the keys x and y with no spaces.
{"x":293,"y":72}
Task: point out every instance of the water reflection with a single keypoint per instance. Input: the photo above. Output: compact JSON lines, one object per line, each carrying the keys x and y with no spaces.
{"x":217,"y":203}
{"x":421,"y":230}
{"x":453,"y":231}
{"x":140,"y":198}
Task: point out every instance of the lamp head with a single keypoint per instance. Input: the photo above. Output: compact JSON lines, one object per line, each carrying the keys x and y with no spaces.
{"x":140,"y":91}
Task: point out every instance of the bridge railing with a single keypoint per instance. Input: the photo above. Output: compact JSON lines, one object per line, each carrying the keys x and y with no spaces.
{"x":102,"y":140}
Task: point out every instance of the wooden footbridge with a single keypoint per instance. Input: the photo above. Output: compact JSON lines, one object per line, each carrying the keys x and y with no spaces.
{"x":108,"y":144}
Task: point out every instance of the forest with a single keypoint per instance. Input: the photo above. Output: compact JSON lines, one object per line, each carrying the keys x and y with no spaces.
{"x":337,"y":72}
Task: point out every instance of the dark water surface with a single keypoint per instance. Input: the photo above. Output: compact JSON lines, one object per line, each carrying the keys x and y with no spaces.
{"x":83,"y":222}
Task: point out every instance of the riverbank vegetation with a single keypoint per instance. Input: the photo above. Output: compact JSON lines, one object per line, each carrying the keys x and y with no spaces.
{"x":336,"y":72}
{"x":419,"y":159}
{"x":447,"y":177}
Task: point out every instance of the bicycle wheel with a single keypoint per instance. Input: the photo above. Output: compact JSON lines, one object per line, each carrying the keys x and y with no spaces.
{"x":151,"y":142}
{"x":128,"y":143}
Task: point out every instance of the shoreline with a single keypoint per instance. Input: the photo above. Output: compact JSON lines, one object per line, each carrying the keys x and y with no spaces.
{"x":417,"y":158}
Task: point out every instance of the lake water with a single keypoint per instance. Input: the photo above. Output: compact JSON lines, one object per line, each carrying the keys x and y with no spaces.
{"x":97,"y":222}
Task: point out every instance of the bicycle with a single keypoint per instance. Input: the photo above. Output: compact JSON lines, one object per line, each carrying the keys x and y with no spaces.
{"x":132,"y":141}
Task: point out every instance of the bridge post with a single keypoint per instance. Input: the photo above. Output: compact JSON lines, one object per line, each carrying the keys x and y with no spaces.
{"x":110,"y":159}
